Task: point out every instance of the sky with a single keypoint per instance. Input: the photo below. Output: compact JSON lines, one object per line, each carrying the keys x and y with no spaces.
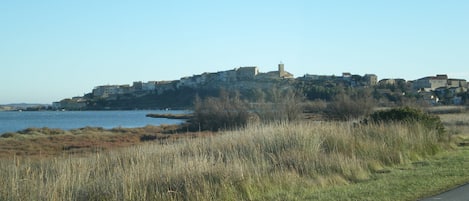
{"x":54,"y":49}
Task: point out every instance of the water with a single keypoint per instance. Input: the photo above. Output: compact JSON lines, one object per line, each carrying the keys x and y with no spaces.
{"x":16,"y":121}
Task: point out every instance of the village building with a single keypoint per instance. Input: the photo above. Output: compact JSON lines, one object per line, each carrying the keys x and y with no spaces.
{"x":230,"y":75}
{"x":430,"y":83}
{"x":282,"y":73}
{"x":247,"y":73}
{"x":371,"y":79}
{"x":457,"y":83}
{"x":75,"y":103}
{"x":163,"y":86}
{"x":149,"y":86}
{"x":109,"y":90}
{"x":437,"y":89}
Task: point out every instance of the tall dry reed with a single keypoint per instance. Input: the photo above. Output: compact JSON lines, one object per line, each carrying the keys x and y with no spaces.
{"x":247,"y":164}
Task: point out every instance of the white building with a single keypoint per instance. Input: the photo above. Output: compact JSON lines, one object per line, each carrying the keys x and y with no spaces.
{"x":108,"y":90}
{"x":149,"y":86}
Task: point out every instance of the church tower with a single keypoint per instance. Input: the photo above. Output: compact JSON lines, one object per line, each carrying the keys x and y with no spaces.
{"x":281,"y":69}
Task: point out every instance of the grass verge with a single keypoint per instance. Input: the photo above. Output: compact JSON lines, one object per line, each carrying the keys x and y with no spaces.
{"x":412,"y":181}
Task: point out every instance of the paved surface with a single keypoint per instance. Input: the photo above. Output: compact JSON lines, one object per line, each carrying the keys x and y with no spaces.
{"x":460,"y":193}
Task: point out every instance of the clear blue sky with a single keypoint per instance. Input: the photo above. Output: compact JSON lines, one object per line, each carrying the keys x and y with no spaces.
{"x":54,"y":49}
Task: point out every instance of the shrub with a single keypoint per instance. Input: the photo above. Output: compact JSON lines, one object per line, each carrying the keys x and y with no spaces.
{"x":279,"y":105}
{"x":228,"y":111}
{"x":408,"y":115}
{"x":346,"y":107}
{"x":224,"y":112}
{"x":43,"y":131}
{"x":7,"y":135}
{"x":315,"y":106}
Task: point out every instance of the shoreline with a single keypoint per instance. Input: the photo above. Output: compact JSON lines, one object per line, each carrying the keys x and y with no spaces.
{"x":171,"y":116}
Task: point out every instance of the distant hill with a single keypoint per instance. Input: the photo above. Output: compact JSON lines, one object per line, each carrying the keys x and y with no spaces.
{"x":23,"y":106}
{"x":253,"y":86}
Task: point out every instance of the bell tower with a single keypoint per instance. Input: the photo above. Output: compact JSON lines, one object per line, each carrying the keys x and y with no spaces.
{"x":281,"y":69}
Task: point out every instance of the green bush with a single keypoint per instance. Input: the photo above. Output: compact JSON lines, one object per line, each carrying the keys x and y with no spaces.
{"x":408,"y":115}
{"x":7,"y":135}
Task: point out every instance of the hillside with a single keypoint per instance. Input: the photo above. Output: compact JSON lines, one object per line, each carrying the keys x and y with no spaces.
{"x":253,"y":85}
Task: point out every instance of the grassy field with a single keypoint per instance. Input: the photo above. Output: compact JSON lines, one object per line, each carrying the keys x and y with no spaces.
{"x":281,"y":161}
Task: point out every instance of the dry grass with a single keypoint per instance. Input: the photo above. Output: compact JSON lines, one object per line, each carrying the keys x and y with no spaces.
{"x":249,"y":164}
{"x":43,"y":142}
{"x":449,"y":109}
{"x":457,"y":126}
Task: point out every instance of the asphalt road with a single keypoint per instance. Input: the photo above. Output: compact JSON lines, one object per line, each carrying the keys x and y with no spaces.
{"x":460,"y":193}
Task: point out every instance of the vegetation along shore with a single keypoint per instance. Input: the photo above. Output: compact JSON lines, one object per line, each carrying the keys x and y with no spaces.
{"x":171,"y":116}
{"x":397,"y":154}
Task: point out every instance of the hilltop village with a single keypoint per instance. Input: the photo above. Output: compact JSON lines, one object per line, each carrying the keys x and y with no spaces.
{"x":249,"y":81}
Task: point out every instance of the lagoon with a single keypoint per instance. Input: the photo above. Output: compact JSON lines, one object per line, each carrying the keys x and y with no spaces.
{"x":16,"y":121}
